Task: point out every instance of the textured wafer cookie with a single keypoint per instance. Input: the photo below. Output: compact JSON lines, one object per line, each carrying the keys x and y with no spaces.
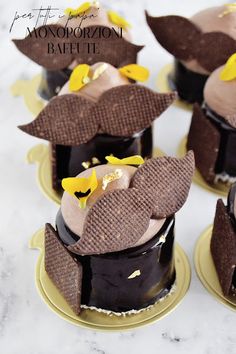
{"x":168,"y":180}
{"x":113,"y":50}
{"x":204,"y":140}
{"x":223,"y":247}
{"x":183,"y":39}
{"x":175,"y":33}
{"x":115,"y":222}
{"x":53,"y":158}
{"x":66,"y":120}
{"x":121,"y":111}
{"x":63,"y":269}
{"x":120,"y":218}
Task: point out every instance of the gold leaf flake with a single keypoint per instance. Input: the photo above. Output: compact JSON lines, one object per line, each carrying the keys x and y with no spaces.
{"x":110,"y":177}
{"x":86,"y":164}
{"x":135,"y":274}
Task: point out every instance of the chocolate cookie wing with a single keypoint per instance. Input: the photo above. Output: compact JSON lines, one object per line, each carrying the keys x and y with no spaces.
{"x":178,"y":35}
{"x":40,"y":46}
{"x":66,"y":120}
{"x":128,"y":109}
{"x":214,"y":49}
{"x":63,"y":269}
{"x":223,"y":247}
{"x":115,"y":222}
{"x":168,"y":180}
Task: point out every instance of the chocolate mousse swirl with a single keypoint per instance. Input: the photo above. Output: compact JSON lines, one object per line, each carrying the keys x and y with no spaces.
{"x":119,"y":218}
{"x":55,"y":47}
{"x":183,"y":39}
{"x":121,"y":111}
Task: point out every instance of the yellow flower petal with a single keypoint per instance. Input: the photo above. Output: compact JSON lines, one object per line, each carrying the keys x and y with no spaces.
{"x":80,"y":187}
{"x":132,"y":160}
{"x":229,"y":71}
{"x":81,"y":9}
{"x":135,"y":72}
{"x":79,"y":77}
{"x":117,"y":20}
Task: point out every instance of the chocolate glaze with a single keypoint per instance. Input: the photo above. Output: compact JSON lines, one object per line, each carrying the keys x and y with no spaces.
{"x":69,"y":159}
{"x":52,"y":81}
{"x":105,"y":283}
{"x":226,"y":161}
{"x":231,"y":202}
{"x":187,"y":83}
{"x":230,"y":211}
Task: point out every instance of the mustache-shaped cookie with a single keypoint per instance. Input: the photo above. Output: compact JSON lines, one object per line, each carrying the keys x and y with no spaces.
{"x":121,"y":111}
{"x":119,"y":218}
{"x":183,"y":39}
{"x":113,"y":50}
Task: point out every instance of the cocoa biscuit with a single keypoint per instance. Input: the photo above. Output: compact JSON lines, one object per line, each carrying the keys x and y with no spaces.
{"x":114,"y":50}
{"x":64,"y":271}
{"x":223,"y":247}
{"x":121,"y":111}
{"x":168,"y":179}
{"x":120,"y":217}
{"x":183,"y":39}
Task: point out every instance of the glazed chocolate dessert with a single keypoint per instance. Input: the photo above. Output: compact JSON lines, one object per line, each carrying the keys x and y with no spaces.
{"x":80,"y":36}
{"x":212,"y":133}
{"x":106,"y":116}
{"x":200,"y":45}
{"x":113,"y":247}
{"x":223,"y":243}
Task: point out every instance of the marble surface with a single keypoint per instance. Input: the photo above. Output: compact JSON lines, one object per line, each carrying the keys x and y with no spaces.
{"x":199,"y":325}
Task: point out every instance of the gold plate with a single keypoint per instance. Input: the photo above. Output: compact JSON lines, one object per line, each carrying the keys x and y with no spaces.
{"x":162,"y":85}
{"x":218,"y":188}
{"x":206,"y":271}
{"x":101,"y":321}
{"x":39,"y":154}
{"x":28,"y":89}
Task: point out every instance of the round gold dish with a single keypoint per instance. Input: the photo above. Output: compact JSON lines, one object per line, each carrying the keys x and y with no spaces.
{"x":28,"y":89}
{"x":39,"y":154}
{"x":109,"y":322}
{"x":162,"y":85}
{"x":206,"y":271}
{"x":218,"y":188}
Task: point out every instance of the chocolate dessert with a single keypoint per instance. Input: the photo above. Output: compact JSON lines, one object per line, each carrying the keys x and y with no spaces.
{"x":223,"y":243}
{"x":212,"y":133}
{"x":200,"y":45}
{"x":81,"y":36}
{"x":106,"y":116}
{"x":113,"y":246}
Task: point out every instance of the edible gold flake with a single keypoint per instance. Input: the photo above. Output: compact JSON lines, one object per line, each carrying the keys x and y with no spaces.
{"x":99,"y":71}
{"x":110,"y":177}
{"x":135,"y":274}
{"x":95,"y":161}
{"x":162,"y":239}
{"x":86,"y":164}
{"x":86,"y":80}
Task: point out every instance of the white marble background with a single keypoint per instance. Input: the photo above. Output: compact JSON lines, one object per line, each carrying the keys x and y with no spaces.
{"x":199,"y":325}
